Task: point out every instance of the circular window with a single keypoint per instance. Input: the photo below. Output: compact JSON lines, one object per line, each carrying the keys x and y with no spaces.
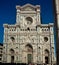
{"x":45,"y":39}
{"x":29,"y":20}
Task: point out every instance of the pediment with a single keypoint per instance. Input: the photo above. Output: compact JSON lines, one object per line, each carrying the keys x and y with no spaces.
{"x":28,"y":7}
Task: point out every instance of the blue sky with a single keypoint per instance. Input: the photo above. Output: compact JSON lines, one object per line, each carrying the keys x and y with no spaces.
{"x":8,"y":12}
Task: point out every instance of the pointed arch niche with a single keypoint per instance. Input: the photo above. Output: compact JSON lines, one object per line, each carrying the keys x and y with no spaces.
{"x":12,"y":55}
{"x":46,"y":56}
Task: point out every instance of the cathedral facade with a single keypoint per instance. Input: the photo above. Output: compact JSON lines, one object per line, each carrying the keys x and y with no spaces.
{"x":28,"y":41}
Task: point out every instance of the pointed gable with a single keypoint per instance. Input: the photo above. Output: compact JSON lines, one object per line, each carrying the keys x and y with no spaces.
{"x":28,"y":7}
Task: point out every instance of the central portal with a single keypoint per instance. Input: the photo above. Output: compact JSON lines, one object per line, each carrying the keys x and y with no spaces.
{"x":29,"y":56}
{"x":29,"y":53}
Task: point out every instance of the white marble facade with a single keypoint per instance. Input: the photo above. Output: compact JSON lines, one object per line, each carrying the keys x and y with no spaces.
{"x":28,"y":41}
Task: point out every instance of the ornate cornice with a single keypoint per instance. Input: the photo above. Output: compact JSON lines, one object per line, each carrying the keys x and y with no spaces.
{"x":37,"y":6}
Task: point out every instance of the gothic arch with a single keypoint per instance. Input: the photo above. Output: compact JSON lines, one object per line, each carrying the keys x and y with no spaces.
{"x":29,"y":45}
{"x":46,"y":56}
{"x":46,"y":51}
{"x":12,"y":50}
{"x":12,"y":55}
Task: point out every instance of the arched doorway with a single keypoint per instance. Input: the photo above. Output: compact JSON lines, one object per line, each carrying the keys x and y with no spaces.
{"x":46,"y":56}
{"x":12,"y":55}
{"x":29,"y":49}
